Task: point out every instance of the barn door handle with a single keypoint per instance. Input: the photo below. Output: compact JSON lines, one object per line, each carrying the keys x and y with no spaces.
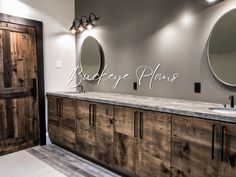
{"x":141,"y":125}
{"x":222,"y":142}
{"x":34,"y":88}
{"x":94,"y":115}
{"x":135,"y":124}
{"x":213,"y":142}
{"x":90,"y":114}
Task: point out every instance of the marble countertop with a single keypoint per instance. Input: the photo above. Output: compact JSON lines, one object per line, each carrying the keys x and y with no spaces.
{"x":173,"y":106}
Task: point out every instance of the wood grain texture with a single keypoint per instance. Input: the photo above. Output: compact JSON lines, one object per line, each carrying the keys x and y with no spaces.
{"x":125,"y":143}
{"x":67,"y":130}
{"x":1,"y":61}
{"x":95,"y":137}
{"x":227,"y":167}
{"x":154,"y":145}
{"x":13,"y":27}
{"x":53,"y":119}
{"x":83,"y":115}
{"x":19,"y":127}
{"x":192,"y":147}
{"x":68,"y":117}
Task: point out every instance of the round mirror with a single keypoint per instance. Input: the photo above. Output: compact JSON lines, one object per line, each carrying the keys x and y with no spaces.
{"x":91,"y":58}
{"x":222,"y":49}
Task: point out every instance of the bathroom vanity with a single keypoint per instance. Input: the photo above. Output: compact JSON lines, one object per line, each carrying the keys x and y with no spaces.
{"x":145,"y":136}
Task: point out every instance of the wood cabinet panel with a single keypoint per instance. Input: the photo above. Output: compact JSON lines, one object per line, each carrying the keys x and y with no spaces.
{"x":67,"y":125}
{"x":125,"y":142}
{"x":68,"y":113}
{"x":104,"y":117}
{"x":95,"y":131}
{"x":104,"y":121}
{"x":53,"y":119}
{"x":139,"y":142}
{"x":67,"y":138}
{"x":83,"y":115}
{"x":53,"y":108}
{"x":154,"y":144}
{"x":62,"y":121}
{"x":192,"y":147}
{"x":227,"y":165}
{"x":125,"y":120}
{"x":96,"y":147}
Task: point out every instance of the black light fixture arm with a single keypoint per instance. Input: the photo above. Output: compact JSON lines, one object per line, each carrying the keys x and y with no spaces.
{"x":95,"y":17}
{"x":82,"y":23}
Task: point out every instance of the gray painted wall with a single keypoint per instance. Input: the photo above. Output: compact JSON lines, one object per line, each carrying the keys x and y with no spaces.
{"x":136,"y":32}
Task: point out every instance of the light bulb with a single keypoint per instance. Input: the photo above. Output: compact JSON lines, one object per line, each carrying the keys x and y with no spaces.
{"x":90,"y":26}
{"x":73,"y":31}
{"x":81,"y":28}
{"x":211,"y":1}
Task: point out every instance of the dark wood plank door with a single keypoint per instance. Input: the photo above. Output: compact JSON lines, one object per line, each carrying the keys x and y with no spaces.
{"x":95,"y":131}
{"x":19,"y":116}
{"x":125,"y":139}
{"x":154,"y":144}
{"x":195,"y":146}
{"x":227,"y":164}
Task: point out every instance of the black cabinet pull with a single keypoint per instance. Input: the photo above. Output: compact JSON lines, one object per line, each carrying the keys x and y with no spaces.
{"x":141,"y":125}
{"x":90,"y":114}
{"x":135,"y":124}
{"x":94,"y":115}
{"x":222,"y":142}
{"x":58,"y":107}
{"x":60,"y":102}
{"x":213,"y":142}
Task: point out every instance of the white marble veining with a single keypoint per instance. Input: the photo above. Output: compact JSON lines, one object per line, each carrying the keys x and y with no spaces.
{"x":174,"y":106}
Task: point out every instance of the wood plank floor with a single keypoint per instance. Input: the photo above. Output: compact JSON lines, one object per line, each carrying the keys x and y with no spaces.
{"x":68,"y":163}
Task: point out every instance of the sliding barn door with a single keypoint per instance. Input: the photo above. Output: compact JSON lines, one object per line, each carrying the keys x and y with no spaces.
{"x":19,"y":117}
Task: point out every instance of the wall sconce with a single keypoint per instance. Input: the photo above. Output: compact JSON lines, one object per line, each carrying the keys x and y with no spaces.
{"x":83,"y":23}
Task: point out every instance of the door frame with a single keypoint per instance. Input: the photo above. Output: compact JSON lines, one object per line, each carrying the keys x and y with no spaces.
{"x":38,"y":26}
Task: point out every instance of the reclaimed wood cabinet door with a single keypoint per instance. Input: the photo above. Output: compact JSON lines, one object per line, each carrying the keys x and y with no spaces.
{"x":53,"y":118}
{"x":86,"y":141}
{"x":19,"y":116}
{"x":103,"y":122}
{"x":227,"y":161}
{"x":195,"y":147}
{"x":95,"y":131}
{"x":154,"y":144}
{"x":67,"y":130}
{"x":125,"y":139}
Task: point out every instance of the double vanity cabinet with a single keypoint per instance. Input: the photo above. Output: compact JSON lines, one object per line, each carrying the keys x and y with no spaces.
{"x":140,"y":140}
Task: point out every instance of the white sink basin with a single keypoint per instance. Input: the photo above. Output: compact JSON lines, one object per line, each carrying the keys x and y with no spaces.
{"x":224,"y":110}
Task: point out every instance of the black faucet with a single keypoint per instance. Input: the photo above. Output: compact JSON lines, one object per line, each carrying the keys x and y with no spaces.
{"x":81,"y":90}
{"x":231,"y":101}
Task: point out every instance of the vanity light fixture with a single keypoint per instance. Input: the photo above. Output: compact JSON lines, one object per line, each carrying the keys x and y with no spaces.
{"x":83,"y":23}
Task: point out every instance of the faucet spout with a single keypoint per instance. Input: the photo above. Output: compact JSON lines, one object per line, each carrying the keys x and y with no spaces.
{"x":81,"y":89}
{"x":231,"y":101}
